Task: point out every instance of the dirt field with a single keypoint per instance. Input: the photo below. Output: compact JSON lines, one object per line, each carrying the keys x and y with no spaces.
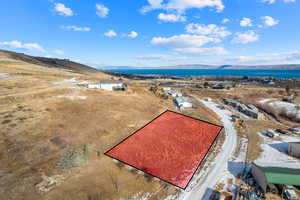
{"x":44,"y":113}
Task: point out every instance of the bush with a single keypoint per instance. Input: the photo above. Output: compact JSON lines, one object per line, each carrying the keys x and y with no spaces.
{"x":72,"y":158}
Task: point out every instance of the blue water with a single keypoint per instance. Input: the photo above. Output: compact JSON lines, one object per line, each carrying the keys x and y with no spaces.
{"x":215,"y":72}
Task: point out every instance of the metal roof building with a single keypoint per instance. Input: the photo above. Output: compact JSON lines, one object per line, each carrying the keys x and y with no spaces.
{"x":294,"y":149}
{"x":276,"y":173}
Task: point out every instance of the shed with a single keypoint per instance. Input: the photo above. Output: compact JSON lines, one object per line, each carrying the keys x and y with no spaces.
{"x":112,"y":85}
{"x":276,"y":173}
{"x":294,"y":149}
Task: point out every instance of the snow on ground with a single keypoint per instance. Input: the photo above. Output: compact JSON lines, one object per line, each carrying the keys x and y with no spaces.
{"x":275,"y":151}
{"x":4,"y":76}
{"x":73,"y":97}
{"x":216,"y":172}
{"x":70,"y":83}
{"x":290,"y":110}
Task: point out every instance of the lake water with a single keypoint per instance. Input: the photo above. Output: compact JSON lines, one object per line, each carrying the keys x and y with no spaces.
{"x":215,"y":72}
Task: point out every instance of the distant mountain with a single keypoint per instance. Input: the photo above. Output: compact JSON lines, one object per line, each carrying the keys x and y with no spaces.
{"x":266,"y":67}
{"x":191,"y":66}
{"x":51,"y":62}
{"x":115,"y":67}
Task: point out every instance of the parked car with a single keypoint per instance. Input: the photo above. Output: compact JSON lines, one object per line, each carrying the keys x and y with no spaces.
{"x":281,"y":131}
{"x":293,"y":130}
{"x":289,"y":193}
{"x":221,"y":107}
{"x":268,"y":133}
{"x":272,"y":131}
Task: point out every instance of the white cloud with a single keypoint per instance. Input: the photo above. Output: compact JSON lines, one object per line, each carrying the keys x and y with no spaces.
{"x":189,"y":44}
{"x":171,"y":17}
{"x":182,"y":5}
{"x":274,"y":1}
{"x":199,"y":51}
{"x":102,"y":11}
{"x":61,"y":9}
{"x":163,"y":57}
{"x":246,"y":37}
{"x":58,"y":52}
{"x":268,"y":1}
{"x":28,"y":46}
{"x":211,"y":30}
{"x":76,"y":28}
{"x":282,"y":57}
{"x":110,"y":33}
{"x":269,"y":21}
{"x":226,"y":20}
{"x":133,"y":34}
{"x":182,"y":41}
{"x":245,"y":22}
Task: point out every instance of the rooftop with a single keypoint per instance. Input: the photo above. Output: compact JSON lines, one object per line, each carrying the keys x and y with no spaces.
{"x":281,"y":173}
{"x":112,"y":81}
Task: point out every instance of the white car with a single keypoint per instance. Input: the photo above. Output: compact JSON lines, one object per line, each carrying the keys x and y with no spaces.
{"x":289,"y":193}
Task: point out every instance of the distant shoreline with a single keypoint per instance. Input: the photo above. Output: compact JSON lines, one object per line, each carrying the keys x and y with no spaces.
{"x":183,"y":73}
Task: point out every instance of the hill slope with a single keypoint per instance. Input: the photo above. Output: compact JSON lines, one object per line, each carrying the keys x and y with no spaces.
{"x":50,"y":62}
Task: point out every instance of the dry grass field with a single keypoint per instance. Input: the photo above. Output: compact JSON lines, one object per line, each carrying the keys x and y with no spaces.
{"x":44,"y":114}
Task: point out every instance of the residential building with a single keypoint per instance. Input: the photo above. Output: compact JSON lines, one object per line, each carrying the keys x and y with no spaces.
{"x":112,"y":85}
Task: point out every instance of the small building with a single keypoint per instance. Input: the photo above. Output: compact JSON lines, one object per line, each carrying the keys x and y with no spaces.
{"x":112,"y":85}
{"x":175,"y":93}
{"x":183,"y":102}
{"x":249,"y":110}
{"x":93,"y":86}
{"x":219,"y":86}
{"x":294,"y":149}
{"x":172,"y":92}
{"x":166,"y":89}
{"x":276,"y":173}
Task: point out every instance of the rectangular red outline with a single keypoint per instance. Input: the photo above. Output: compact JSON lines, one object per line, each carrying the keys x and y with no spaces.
{"x":201,"y":162}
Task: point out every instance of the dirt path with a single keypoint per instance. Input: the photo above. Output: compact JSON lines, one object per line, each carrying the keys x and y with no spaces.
{"x":215,"y":172}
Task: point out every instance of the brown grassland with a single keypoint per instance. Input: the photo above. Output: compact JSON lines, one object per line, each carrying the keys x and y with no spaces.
{"x":41,"y":115}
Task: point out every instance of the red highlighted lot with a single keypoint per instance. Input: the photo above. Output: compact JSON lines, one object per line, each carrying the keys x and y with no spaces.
{"x":170,"y":147}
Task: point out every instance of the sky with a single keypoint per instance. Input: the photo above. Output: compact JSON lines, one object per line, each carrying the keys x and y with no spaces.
{"x":152,"y":33}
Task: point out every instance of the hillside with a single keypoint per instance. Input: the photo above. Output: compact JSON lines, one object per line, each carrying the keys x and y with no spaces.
{"x":49,"y":62}
{"x":50,"y":122}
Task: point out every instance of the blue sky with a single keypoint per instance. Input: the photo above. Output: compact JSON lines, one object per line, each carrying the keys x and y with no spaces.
{"x":154,"y":32}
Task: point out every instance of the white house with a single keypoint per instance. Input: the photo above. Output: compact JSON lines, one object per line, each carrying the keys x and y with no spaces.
{"x":111,"y":85}
{"x":94,"y":86}
{"x":183,"y":102}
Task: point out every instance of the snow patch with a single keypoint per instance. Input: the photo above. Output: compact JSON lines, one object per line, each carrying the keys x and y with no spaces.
{"x":276,"y":151}
{"x":4,"y":76}
{"x":72,"y":97}
{"x":287,"y":109}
